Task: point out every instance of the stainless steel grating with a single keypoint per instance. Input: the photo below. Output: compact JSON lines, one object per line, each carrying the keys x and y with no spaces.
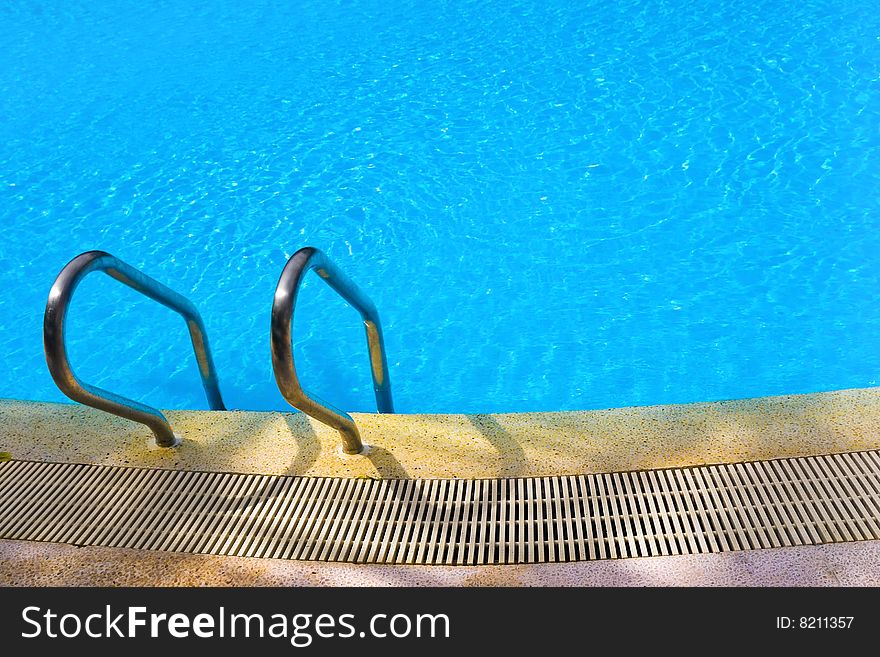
{"x":716,"y":508}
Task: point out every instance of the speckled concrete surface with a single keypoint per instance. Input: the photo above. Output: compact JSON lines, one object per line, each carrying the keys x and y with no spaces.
{"x":24,"y":563}
{"x":472,"y":446}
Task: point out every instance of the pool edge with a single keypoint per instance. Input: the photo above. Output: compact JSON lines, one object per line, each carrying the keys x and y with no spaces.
{"x":458,"y":446}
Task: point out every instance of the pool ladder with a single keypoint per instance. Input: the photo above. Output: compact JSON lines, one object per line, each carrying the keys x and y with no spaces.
{"x":283,"y":365}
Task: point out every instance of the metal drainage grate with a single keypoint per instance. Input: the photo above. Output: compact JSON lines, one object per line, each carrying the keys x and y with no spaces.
{"x":716,"y":508}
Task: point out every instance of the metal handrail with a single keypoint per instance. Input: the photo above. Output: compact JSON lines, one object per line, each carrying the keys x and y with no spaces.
{"x":55,"y":346}
{"x":283,"y":364}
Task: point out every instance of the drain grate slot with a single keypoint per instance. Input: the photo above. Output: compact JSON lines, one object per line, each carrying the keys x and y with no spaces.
{"x":716,"y":508}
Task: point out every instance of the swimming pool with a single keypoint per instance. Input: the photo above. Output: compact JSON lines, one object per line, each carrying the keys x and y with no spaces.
{"x":555,"y":205}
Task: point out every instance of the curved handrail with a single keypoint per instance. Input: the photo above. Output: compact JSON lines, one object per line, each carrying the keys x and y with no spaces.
{"x":283,"y":365}
{"x":55,"y":346}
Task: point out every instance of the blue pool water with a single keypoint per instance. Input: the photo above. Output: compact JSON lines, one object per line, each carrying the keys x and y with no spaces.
{"x":565,"y":204}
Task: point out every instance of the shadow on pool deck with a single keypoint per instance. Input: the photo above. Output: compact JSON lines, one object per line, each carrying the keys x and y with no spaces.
{"x":308,"y":446}
{"x":386,"y":465}
{"x":24,"y":563}
{"x":514,"y":459}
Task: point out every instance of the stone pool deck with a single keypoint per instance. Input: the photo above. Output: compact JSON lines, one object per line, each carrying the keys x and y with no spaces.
{"x":451,"y":446}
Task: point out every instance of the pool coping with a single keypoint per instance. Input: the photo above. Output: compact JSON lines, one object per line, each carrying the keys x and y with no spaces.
{"x":457,"y":446}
